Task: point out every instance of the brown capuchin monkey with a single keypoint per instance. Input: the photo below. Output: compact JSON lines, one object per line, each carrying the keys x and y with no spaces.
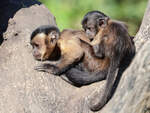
{"x":71,"y":50}
{"x":110,"y":39}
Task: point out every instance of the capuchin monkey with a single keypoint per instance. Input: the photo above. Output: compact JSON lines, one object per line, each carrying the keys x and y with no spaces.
{"x":82,"y":62}
{"x":70,"y":49}
{"x":93,"y":21}
{"x":110,"y":39}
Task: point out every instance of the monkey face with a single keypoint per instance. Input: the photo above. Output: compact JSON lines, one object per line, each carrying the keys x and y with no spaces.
{"x":43,"y":45}
{"x":89,"y":26}
{"x":39,"y":46}
{"x":92,"y":22}
{"x":43,"y":41}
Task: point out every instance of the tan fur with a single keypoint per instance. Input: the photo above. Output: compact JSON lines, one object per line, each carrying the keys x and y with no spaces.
{"x":70,"y":48}
{"x":73,"y":44}
{"x":73,"y":49}
{"x":39,"y":39}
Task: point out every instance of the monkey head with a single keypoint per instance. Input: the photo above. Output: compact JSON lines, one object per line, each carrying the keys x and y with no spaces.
{"x":43,"y":41}
{"x":93,"y":21}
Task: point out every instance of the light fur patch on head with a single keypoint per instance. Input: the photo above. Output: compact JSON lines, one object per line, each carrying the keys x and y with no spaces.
{"x":41,"y":35}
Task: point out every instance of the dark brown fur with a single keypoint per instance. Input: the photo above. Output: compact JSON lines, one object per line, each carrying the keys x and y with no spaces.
{"x":74,"y":53}
{"x":110,"y":40}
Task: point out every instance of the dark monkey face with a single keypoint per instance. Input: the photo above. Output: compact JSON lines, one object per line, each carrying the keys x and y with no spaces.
{"x":92,"y":22}
{"x":89,"y":26}
{"x":43,"y":45}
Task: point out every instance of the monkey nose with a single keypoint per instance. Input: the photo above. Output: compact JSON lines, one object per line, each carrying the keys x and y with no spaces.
{"x":37,"y":56}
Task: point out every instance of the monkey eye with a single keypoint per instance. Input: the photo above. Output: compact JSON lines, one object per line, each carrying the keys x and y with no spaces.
{"x":90,"y":28}
{"x":36,"y":45}
{"x":101,"y":22}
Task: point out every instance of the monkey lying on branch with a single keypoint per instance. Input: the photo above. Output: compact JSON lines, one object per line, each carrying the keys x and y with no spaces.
{"x":70,"y":50}
{"x":82,"y":61}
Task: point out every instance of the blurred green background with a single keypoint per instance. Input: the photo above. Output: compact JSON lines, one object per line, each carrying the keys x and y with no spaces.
{"x":69,"y":13}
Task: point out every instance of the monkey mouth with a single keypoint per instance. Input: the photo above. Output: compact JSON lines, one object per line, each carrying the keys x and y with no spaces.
{"x":37,"y":57}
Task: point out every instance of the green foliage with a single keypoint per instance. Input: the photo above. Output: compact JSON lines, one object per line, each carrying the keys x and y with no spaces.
{"x":69,"y":13}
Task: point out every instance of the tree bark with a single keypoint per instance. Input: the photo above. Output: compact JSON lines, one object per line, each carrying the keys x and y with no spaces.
{"x":133,"y":92}
{"x":24,"y":90}
{"x":144,"y":32}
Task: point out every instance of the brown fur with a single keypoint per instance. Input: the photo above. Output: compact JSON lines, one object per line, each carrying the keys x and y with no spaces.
{"x":85,"y":62}
{"x":111,"y":40}
{"x":73,"y":46}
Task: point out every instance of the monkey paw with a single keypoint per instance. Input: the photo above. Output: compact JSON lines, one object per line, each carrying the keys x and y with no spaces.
{"x":42,"y":68}
{"x":98,"y":52}
{"x":49,"y":68}
{"x":54,"y":70}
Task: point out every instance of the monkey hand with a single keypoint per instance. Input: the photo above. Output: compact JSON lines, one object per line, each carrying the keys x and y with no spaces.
{"x":49,"y":68}
{"x":98,"y":52}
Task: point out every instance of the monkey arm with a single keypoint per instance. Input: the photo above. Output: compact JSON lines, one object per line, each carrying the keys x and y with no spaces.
{"x":66,"y":61}
{"x":97,"y":46}
{"x":71,"y":53}
{"x":80,"y":78}
{"x":99,"y":51}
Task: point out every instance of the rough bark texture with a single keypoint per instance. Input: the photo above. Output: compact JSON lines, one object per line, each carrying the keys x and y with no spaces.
{"x":24,"y":90}
{"x":133,"y":92}
{"x":144,"y":33}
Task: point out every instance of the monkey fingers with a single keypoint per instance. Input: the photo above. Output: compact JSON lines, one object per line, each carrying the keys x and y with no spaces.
{"x":49,"y":68}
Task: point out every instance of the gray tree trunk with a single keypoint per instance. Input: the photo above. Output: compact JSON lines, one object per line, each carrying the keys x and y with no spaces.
{"x":24,"y":90}
{"x":133,"y":92}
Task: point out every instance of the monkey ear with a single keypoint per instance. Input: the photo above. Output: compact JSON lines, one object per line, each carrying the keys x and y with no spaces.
{"x":102,"y":22}
{"x":54,"y":35}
